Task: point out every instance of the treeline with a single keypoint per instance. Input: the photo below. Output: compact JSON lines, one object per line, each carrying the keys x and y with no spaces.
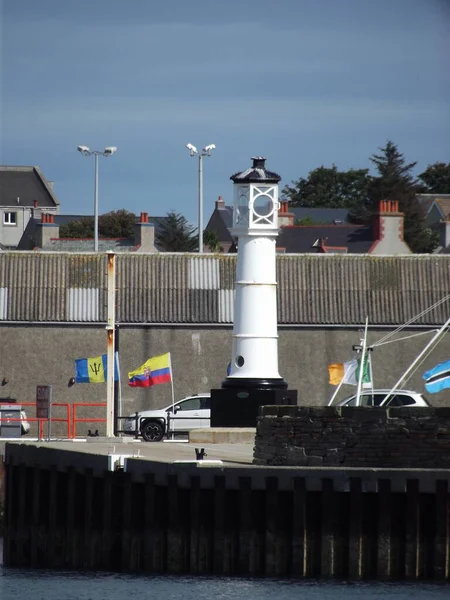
{"x":360,"y":191}
{"x":357,"y":190}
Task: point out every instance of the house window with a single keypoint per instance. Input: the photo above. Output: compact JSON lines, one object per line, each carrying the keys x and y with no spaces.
{"x":9,"y":218}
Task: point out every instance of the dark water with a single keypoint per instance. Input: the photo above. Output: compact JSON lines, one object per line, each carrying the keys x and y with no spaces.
{"x":44,"y":585}
{"x":16,"y":584}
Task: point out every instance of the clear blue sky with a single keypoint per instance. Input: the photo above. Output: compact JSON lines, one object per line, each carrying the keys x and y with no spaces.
{"x":302,"y":82}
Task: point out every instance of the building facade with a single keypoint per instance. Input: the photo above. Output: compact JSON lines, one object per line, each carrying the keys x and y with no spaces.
{"x":53,"y":309}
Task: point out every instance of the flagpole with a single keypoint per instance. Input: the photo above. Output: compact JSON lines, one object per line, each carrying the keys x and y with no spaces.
{"x":361,"y":366}
{"x":111,"y":346}
{"x":336,"y":391}
{"x":427,"y":348}
{"x":346,"y":372}
{"x":369,"y":357}
{"x":120,"y":387}
{"x":173,"y":395}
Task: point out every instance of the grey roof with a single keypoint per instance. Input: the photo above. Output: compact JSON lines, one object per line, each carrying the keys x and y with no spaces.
{"x":87,"y":245}
{"x":28,"y":184}
{"x":320,"y":215}
{"x":257,"y":173}
{"x":298,"y":239}
{"x":426,"y":201}
{"x":220,"y":222}
{"x":179,"y":288}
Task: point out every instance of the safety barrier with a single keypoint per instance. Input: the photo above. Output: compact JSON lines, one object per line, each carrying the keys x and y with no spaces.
{"x":42,"y":422}
{"x":72,"y":418}
{"x":76,"y":419}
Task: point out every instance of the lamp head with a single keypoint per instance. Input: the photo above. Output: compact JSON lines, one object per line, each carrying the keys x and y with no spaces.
{"x":192,"y":149}
{"x":208,"y":149}
{"x":84,"y":150}
{"x":109,"y":150}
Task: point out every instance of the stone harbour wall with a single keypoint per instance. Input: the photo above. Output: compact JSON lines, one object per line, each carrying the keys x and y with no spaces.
{"x":353,"y":437}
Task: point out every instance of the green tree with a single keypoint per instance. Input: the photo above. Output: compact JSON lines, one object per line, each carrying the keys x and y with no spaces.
{"x":175,"y":234}
{"x":114,"y":224}
{"x":436,"y":178}
{"x":211,"y":239}
{"x":394,"y":181}
{"x":83,"y":228}
{"x":117,"y":224}
{"x":328,"y":187}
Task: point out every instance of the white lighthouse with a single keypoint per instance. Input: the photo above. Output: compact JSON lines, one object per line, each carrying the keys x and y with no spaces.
{"x":255,"y":224}
{"x":253,"y":378}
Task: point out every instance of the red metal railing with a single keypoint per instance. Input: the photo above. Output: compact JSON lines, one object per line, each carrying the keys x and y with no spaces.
{"x":76,"y":419}
{"x":42,"y":422}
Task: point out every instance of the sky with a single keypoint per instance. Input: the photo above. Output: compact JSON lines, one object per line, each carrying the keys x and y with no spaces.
{"x":302,"y":82}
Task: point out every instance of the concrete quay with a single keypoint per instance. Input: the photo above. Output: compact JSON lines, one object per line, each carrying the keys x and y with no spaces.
{"x":152,"y":508}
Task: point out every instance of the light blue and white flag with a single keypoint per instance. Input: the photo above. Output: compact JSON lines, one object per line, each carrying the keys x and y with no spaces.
{"x":438,"y":378}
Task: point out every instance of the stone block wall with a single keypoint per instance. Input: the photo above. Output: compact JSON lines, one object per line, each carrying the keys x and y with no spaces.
{"x":353,"y":437}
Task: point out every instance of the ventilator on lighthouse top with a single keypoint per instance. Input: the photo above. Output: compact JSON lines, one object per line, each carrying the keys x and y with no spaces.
{"x":254,"y":360}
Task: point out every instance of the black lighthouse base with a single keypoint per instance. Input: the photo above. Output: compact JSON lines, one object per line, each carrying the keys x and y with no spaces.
{"x":237,"y":405}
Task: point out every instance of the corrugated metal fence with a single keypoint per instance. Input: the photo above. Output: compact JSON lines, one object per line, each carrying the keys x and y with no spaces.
{"x":187,"y":288}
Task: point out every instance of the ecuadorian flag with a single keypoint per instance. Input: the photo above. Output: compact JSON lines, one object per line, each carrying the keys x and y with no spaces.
{"x":93,"y":370}
{"x":155,"y":370}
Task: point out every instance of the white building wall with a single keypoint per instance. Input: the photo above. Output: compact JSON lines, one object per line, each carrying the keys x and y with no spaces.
{"x":10,"y":235}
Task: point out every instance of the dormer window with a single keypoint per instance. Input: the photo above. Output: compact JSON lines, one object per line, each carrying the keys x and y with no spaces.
{"x":9,"y":218}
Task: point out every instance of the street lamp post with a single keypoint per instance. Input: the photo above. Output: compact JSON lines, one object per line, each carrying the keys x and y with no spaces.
{"x":85,"y":151}
{"x":205,"y":152}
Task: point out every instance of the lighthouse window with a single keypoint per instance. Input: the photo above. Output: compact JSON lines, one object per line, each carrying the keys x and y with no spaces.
{"x":241,"y":208}
{"x":263,"y":206}
{"x":240,"y":361}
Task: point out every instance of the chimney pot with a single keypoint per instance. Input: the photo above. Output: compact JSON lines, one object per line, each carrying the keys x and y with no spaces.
{"x":220,"y":203}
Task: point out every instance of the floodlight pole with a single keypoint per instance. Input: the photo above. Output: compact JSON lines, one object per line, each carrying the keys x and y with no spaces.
{"x":85,"y":151}
{"x":96,"y":202}
{"x":200,"y":202}
{"x":205,"y":152}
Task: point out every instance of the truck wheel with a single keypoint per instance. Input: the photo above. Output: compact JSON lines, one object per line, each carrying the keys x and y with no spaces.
{"x":152,"y":431}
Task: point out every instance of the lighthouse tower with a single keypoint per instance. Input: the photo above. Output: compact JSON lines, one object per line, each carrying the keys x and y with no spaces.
{"x":253,"y":378}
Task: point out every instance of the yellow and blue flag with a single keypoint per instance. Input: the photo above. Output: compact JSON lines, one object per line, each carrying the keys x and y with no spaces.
{"x":94,"y":370}
{"x":155,"y":370}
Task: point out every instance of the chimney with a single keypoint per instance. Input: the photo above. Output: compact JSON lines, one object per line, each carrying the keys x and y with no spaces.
{"x":220,"y":204}
{"x":36,"y":212}
{"x":144,"y":234}
{"x":285,"y":218}
{"x":50,"y":185}
{"x":388,"y":230}
{"x":46,"y":230}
